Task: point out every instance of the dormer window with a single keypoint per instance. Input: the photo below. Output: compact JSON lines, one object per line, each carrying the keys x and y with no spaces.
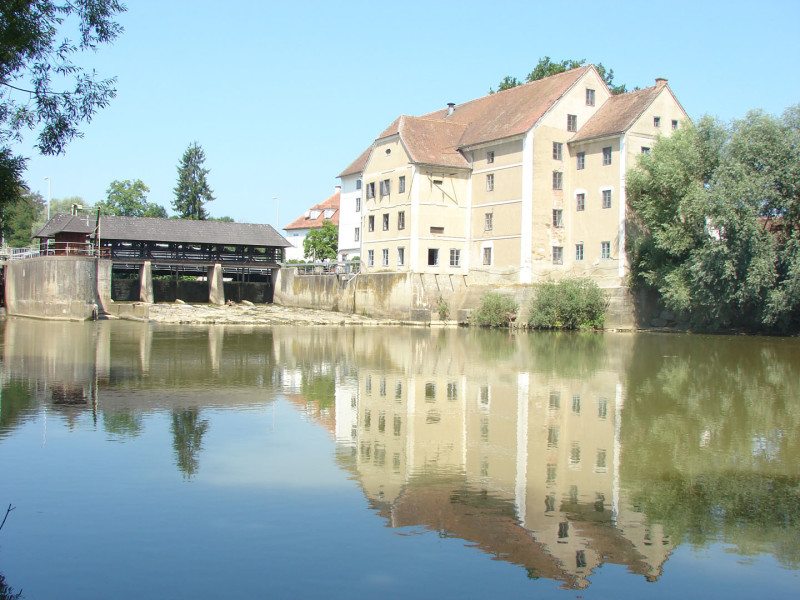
{"x":490,"y":157}
{"x":328,"y":213}
{"x":589,"y":97}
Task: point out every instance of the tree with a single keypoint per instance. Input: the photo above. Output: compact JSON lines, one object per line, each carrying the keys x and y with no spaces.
{"x":43,"y":86}
{"x":192,"y":191}
{"x":20,"y":217}
{"x":546,"y":67}
{"x":715,"y":227}
{"x":322,"y":243}
{"x":129,"y":199}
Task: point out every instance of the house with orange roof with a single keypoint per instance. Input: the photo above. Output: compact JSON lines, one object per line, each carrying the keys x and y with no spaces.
{"x":313,"y":218}
{"x":514,"y":187}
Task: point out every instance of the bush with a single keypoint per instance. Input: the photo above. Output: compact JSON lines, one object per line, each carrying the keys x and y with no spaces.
{"x":443,"y":309}
{"x":496,"y":310}
{"x":569,"y":304}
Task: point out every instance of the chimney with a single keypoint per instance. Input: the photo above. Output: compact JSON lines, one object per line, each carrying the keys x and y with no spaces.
{"x":451,"y":106}
{"x":337,"y":189}
{"x":661,"y":81}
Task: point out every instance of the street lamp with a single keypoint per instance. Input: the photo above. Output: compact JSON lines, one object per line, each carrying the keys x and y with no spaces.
{"x":277,"y":213}
{"x":47,"y":179}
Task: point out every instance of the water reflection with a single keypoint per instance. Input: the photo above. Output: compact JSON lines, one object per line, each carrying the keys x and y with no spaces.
{"x":557,"y":453}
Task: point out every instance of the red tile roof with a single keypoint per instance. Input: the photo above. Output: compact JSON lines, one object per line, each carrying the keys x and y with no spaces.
{"x":357,"y":166}
{"x":305,"y":221}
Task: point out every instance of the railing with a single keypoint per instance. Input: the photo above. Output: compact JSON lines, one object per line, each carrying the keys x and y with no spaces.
{"x":330,"y":268}
{"x":54,"y":249}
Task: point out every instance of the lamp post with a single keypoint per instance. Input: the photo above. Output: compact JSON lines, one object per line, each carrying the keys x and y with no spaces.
{"x":277,"y":213}
{"x":49,"y":191}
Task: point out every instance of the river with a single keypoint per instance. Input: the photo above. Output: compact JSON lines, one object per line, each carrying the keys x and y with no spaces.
{"x":159,"y":461}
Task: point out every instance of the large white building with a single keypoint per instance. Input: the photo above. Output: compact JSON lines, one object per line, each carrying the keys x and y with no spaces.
{"x":350,"y":208}
{"x":313,"y":218}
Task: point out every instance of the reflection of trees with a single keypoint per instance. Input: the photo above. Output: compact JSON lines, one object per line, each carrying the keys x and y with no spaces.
{"x":7,"y":592}
{"x":187,"y":439}
{"x":123,"y":424}
{"x":319,"y":388}
{"x":568,"y":354}
{"x":709,"y":440}
{"x":16,"y":403}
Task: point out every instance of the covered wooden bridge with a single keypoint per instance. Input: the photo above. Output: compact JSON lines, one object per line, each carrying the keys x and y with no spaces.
{"x":163,"y":260}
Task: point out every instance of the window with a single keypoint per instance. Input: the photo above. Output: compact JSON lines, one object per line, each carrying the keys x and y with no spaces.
{"x":401,"y":257}
{"x":645,"y":150}
{"x":555,"y":400}
{"x":370,"y":190}
{"x":589,"y":97}
{"x":580,"y":201}
{"x":558,"y":217}
{"x":385,"y":259}
{"x":328,"y":213}
{"x":437,"y":229}
{"x":358,"y":204}
{"x":430,"y":392}
{"x":602,"y":408}
{"x":572,"y":122}
{"x":370,"y":257}
{"x":386,"y":221}
{"x":357,"y":234}
{"x":490,"y":182}
{"x":401,"y":184}
{"x":656,"y":121}
{"x":558,"y":149}
{"x":455,"y":257}
{"x":490,"y":157}
{"x":575,"y":454}
{"x":558,"y":180}
{"x":433,"y":257}
{"x":487,"y":256}
{"x":601,"y":459}
{"x":558,"y":255}
{"x":579,"y":251}
{"x":581,"y":160}
{"x":605,"y":249}
{"x":452,"y":391}
{"x":386,"y":186}
{"x":606,"y":198}
{"x":674,"y":123}
{"x":607,"y":155}
{"x":371,"y":223}
{"x":401,"y":220}
{"x":576,"y":404}
{"x":488,"y":221}
{"x":358,"y":184}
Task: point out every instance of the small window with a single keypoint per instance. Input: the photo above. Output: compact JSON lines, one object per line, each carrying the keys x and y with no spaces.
{"x":558,"y":255}
{"x":370,"y":257}
{"x":401,"y":220}
{"x":358,"y":204}
{"x":371,"y":223}
{"x":437,"y":229}
{"x":605,"y":249}
{"x":589,"y":97}
{"x":385,"y":263}
{"x":579,"y":251}
{"x":358,"y":184}
{"x":386,"y":221}
{"x":656,"y":121}
{"x":314,"y":214}
{"x":401,"y":257}
{"x":490,"y":182}
{"x":607,"y":155}
{"x":558,"y":180}
{"x":576,"y":400}
{"x":581,"y":161}
{"x":401,"y":184}
{"x":433,"y":257}
{"x":580,"y":201}
{"x":558,"y":149}
{"x":606,"y":198}
{"x":558,"y":217}
{"x":645,"y":150}
{"x":386,"y":187}
{"x":487,"y":256}
{"x":328,"y":213}
{"x":357,"y":234}
{"x":490,"y":157}
{"x":602,"y":408}
{"x":488,"y":221}
{"x":370,"y":190}
{"x":572,"y":122}
{"x":438,"y":181}
{"x":674,"y":123}
{"x":455,"y":257}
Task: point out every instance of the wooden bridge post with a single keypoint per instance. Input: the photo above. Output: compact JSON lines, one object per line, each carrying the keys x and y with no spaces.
{"x":146,"y":282}
{"x":216,"y":288}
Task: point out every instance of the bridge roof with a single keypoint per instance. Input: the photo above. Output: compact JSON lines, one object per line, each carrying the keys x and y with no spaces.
{"x":149,"y":229}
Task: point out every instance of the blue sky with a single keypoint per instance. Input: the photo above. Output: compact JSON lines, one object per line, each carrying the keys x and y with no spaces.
{"x":282,"y":96}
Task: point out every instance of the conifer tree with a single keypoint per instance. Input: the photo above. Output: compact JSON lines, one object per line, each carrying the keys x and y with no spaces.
{"x":192,"y":190}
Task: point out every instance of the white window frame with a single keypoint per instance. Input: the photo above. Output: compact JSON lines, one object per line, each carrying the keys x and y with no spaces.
{"x":385,"y":257}
{"x":608,"y":152}
{"x":401,"y":256}
{"x":605,"y":250}
{"x":490,"y":157}
{"x":401,"y":220}
{"x":487,"y":246}
{"x":455,"y":253}
{"x":590,"y":97}
{"x":580,"y":201}
{"x":579,"y":253}
{"x":558,"y":180}
{"x":557,"y":254}
{"x":358,"y":204}
{"x":357,"y":234}
{"x":572,"y":122}
{"x":488,"y":221}
{"x":558,"y":151}
{"x":370,"y":258}
{"x":606,"y":193}
{"x":385,"y":222}
{"x":401,"y":184}
{"x":371,"y":223}
{"x":490,"y":182}
{"x":558,"y":217}
{"x":580,"y":163}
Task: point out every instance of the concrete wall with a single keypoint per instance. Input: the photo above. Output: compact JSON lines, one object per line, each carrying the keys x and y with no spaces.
{"x":415,"y":296}
{"x":58,"y":287}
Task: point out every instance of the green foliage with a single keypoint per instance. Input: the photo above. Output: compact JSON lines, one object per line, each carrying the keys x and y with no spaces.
{"x":18,"y":219}
{"x":546,"y":67}
{"x":443,"y":308}
{"x":129,"y":199}
{"x":576,"y":303}
{"x":187,"y":439}
{"x":44,"y":85}
{"x":496,"y":310}
{"x":715,"y":223}
{"x":322,"y":243}
{"x":192,"y":191}
{"x":222,"y":219}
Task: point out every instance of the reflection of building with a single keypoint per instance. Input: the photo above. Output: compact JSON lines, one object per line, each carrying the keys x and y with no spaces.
{"x":523,"y":464}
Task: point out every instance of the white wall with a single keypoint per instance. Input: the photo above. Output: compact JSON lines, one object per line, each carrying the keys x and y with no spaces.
{"x":295,"y":237}
{"x":349,"y":219}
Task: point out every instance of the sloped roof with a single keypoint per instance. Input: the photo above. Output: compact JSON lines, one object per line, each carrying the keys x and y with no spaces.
{"x":432,"y":142}
{"x":357,"y":166}
{"x":149,"y":229}
{"x":618,"y":114}
{"x":305,"y":221}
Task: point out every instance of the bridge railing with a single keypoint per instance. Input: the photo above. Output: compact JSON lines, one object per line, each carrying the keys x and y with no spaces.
{"x":54,"y":249}
{"x":326,"y":268}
